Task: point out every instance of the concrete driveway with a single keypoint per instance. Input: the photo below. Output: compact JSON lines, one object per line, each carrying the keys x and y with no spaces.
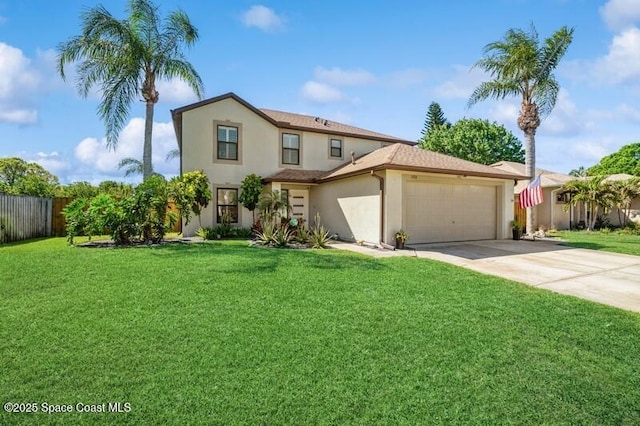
{"x":609,"y":278}
{"x":603,"y":277}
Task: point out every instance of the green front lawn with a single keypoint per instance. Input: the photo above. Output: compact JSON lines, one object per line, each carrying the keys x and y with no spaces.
{"x":614,"y":241}
{"x":220,"y":333}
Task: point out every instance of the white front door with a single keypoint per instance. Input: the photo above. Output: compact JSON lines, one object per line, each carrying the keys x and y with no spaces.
{"x":299,"y":199}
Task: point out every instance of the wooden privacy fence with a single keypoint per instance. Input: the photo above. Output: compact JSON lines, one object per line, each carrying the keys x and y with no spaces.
{"x":519,"y":214}
{"x":22,"y":218}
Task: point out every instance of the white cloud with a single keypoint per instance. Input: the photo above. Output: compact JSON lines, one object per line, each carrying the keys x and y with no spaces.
{"x":18,"y":116}
{"x":461,"y":85}
{"x":321,"y":93}
{"x":19,"y":82}
{"x":620,"y":14}
{"x":628,"y":112}
{"x":622,"y":63}
{"x":338,"y":77}
{"x":52,"y":162}
{"x":94,"y":153}
{"x":408,"y":77}
{"x":565,"y":119}
{"x":262,"y":17}
{"x":175,"y":91}
{"x":505,"y":112}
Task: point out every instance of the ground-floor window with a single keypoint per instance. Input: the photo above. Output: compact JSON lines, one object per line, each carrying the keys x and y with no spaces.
{"x":227,"y":205}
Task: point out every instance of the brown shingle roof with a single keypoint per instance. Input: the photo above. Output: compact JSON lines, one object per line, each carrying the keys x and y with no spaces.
{"x":321,"y":125}
{"x":405,"y":157}
{"x":296,"y":175}
{"x":548,"y":179}
{"x":287,"y":120}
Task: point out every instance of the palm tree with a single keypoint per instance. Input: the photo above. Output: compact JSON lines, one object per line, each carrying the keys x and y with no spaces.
{"x":579,"y":172}
{"x":126,"y":58}
{"x":624,"y":192}
{"x":594,"y":192}
{"x":131,"y":166}
{"x":522,"y":66}
{"x":274,"y":205}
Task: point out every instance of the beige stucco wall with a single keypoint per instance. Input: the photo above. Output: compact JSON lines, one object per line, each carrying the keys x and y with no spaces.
{"x":634,"y":214}
{"x":259,"y":151}
{"x":349,"y":207}
{"x":550,"y":213}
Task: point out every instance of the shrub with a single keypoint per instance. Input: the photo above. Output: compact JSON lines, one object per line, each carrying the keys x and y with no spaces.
{"x":75,"y":214}
{"x":319,"y":234}
{"x":302,"y":234}
{"x":282,"y":236}
{"x":266,"y":234}
{"x":208,"y":233}
{"x":242,"y":232}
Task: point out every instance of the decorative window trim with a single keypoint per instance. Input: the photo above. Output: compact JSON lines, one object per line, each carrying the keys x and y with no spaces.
{"x":227,"y":123}
{"x":331,"y":148}
{"x":281,"y":149}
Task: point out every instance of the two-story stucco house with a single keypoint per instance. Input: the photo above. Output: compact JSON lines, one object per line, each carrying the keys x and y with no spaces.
{"x":365,"y":185}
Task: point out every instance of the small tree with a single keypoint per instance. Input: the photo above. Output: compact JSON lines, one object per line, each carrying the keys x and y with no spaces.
{"x":191,"y":194}
{"x":272,"y":205}
{"x":250,"y":191}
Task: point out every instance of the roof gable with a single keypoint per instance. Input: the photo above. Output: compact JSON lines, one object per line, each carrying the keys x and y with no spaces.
{"x":548,"y":179}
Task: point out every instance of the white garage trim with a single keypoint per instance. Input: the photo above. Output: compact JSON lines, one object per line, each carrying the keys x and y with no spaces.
{"x":443,"y":211}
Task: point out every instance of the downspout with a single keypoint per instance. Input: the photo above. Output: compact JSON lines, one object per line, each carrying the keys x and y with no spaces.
{"x":553,"y":207}
{"x":381,"y":242}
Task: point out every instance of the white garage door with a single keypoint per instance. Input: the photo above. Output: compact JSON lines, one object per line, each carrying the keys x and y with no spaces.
{"x":435,"y":212}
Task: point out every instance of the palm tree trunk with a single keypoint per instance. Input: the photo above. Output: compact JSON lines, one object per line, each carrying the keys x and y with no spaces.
{"x":146,"y":152}
{"x":530,"y":170}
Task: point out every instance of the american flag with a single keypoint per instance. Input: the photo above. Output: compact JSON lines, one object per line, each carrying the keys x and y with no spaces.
{"x":532,"y":194}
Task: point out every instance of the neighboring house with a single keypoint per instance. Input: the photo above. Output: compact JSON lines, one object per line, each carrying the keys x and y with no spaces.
{"x":554,"y":211}
{"x":614,"y":216}
{"x":365,"y":185}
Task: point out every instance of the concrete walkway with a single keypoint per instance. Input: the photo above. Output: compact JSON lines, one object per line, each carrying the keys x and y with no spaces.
{"x":609,"y":278}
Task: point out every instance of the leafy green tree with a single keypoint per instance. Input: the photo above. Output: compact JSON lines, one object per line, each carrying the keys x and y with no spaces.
{"x":596,"y":195}
{"x":475,"y":140}
{"x":19,"y":177}
{"x":435,"y":118}
{"x":625,"y":160}
{"x":191,"y":193}
{"x":520,"y":65}
{"x":115,"y":189}
{"x":250,"y":191}
{"x":78,"y":190}
{"x":126,"y":58}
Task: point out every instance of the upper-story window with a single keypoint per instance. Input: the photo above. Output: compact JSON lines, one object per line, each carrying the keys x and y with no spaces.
{"x":290,"y":148}
{"x":227,"y":142}
{"x":335,"y":148}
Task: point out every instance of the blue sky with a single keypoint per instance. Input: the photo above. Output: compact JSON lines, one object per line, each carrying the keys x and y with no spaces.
{"x":375,"y":64}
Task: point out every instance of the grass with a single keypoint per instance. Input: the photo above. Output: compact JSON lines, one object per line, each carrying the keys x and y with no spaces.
{"x":220,"y":333}
{"x":607,"y":241}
